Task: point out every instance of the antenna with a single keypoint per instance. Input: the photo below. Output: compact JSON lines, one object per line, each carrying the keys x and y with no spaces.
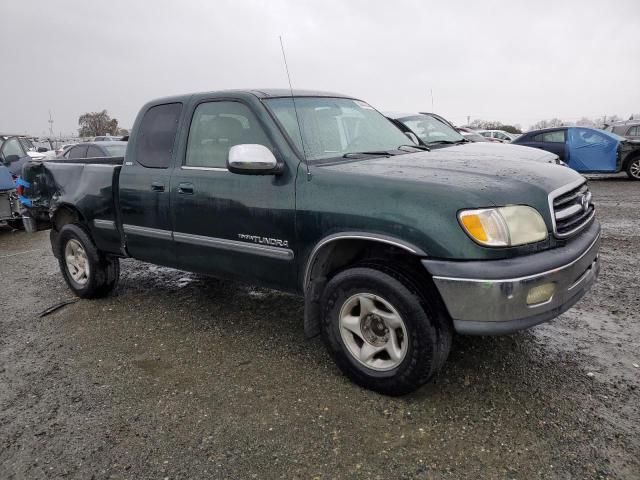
{"x":293,"y":99}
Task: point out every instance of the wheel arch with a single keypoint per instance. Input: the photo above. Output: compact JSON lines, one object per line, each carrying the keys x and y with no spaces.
{"x":66,"y":213}
{"x":630,"y":158}
{"x":335,"y":252}
{"x":63,"y":214}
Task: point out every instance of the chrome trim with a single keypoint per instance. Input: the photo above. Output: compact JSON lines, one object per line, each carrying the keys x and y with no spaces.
{"x":104,"y":224}
{"x":204,"y":241}
{"x":567,"y":212}
{"x":558,"y":192}
{"x":578,"y":228}
{"x":148,"y":232}
{"x":234,"y":245}
{"x":356,"y":236}
{"x":205,"y":169}
{"x":521,"y":279}
{"x":500,"y":306}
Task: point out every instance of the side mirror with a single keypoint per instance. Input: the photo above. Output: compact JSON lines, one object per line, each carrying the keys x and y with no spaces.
{"x":42,"y":150}
{"x":412,"y":136}
{"x":252,"y":159}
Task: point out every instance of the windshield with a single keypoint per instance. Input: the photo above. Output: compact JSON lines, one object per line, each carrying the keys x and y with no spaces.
{"x":115,"y":150}
{"x":431,"y":130}
{"x":474,"y":137}
{"x":333,"y":127}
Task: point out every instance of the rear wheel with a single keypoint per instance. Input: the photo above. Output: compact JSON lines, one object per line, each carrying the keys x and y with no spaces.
{"x":88,"y":272}
{"x":633,"y":168}
{"x":381,"y":332}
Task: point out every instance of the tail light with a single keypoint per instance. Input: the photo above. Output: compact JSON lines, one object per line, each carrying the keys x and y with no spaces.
{"x":19,"y":188}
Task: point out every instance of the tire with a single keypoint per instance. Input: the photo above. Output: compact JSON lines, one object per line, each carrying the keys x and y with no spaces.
{"x":633,"y":168}
{"x":16,"y":224}
{"x":414,"y":349}
{"x":90,"y":274}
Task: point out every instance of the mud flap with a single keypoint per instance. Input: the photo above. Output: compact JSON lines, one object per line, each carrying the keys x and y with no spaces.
{"x":312,"y":308}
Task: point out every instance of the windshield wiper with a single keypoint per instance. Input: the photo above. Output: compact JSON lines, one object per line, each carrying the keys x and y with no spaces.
{"x":447,"y":142}
{"x":419,"y":147}
{"x":378,"y":153}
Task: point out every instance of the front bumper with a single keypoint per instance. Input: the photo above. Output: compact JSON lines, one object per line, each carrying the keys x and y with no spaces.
{"x":490,"y":297}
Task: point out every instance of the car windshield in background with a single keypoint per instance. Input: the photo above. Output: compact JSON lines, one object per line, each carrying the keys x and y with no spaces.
{"x":334,"y":127}
{"x":474,"y":137}
{"x":431,"y":130}
{"x":27,"y":144}
{"x":115,"y":150}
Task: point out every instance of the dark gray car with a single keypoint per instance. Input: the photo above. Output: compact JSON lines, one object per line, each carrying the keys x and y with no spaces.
{"x":629,"y":129}
{"x":95,"y":150}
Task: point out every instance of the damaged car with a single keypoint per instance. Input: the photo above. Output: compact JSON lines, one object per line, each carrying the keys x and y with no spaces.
{"x":588,"y":150}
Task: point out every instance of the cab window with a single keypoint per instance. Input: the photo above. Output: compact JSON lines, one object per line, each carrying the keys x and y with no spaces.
{"x":157,"y":135}
{"x":218,"y":126}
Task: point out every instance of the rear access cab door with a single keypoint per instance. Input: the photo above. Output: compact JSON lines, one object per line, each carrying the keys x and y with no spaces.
{"x":144,"y":197}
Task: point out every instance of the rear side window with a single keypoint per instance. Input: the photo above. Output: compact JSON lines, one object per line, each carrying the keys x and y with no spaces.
{"x":634,"y":131}
{"x":78,"y":152}
{"x":157,"y":135}
{"x":94,"y":152}
{"x":554,"y":137}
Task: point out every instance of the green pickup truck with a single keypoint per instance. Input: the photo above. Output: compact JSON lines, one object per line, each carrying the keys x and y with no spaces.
{"x":394,"y":247}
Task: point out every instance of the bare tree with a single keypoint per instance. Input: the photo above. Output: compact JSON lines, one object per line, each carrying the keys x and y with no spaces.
{"x":554,"y":122}
{"x":494,"y":125}
{"x":97,"y":123}
{"x":586,"y":122}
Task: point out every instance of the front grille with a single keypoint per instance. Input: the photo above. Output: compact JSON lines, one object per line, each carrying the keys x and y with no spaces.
{"x":572,"y":210}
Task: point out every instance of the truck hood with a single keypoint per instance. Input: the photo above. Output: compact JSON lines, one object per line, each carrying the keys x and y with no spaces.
{"x":503,"y":152}
{"x":485,"y":174}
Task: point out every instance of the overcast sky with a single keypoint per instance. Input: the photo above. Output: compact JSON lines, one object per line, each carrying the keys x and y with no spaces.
{"x":512,"y":61}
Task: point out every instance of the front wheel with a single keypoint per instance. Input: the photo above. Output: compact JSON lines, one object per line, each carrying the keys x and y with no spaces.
{"x":381,"y":332}
{"x":633,"y":168}
{"x":88,"y":272}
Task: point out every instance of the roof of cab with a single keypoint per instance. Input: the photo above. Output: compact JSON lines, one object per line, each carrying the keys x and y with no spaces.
{"x":259,"y":93}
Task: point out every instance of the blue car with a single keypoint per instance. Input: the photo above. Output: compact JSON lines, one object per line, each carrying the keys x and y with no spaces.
{"x":587,"y":150}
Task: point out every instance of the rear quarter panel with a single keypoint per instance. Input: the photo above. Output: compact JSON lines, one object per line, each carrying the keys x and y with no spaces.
{"x":86,"y":188}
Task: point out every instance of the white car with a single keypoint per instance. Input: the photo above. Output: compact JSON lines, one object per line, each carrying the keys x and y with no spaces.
{"x":500,"y":135}
{"x":107,"y":138}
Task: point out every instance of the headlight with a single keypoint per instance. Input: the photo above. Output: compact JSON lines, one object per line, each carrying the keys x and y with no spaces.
{"x":504,"y":226}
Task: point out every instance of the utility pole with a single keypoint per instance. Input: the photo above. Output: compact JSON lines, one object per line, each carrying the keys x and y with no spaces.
{"x":51,"y":134}
{"x":432,"y":109}
{"x":468,"y":119}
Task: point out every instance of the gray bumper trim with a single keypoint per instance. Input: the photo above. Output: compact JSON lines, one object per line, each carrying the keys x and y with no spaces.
{"x":498,"y":306}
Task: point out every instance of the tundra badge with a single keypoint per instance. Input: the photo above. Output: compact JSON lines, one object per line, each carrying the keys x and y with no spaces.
{"x":264,"y":240}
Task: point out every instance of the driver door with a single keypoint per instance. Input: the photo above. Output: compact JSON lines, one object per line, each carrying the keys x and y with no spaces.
{"x":228,"y":224}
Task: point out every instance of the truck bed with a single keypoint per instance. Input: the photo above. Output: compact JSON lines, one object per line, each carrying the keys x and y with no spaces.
{"x":88,"y":187}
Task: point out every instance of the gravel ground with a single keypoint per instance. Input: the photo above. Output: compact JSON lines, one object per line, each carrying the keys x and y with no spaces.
{"x":181,"y":376}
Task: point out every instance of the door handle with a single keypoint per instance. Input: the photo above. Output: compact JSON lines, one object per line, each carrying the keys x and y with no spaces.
{"x":185,"y":188}
{"x":157,"y":187}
